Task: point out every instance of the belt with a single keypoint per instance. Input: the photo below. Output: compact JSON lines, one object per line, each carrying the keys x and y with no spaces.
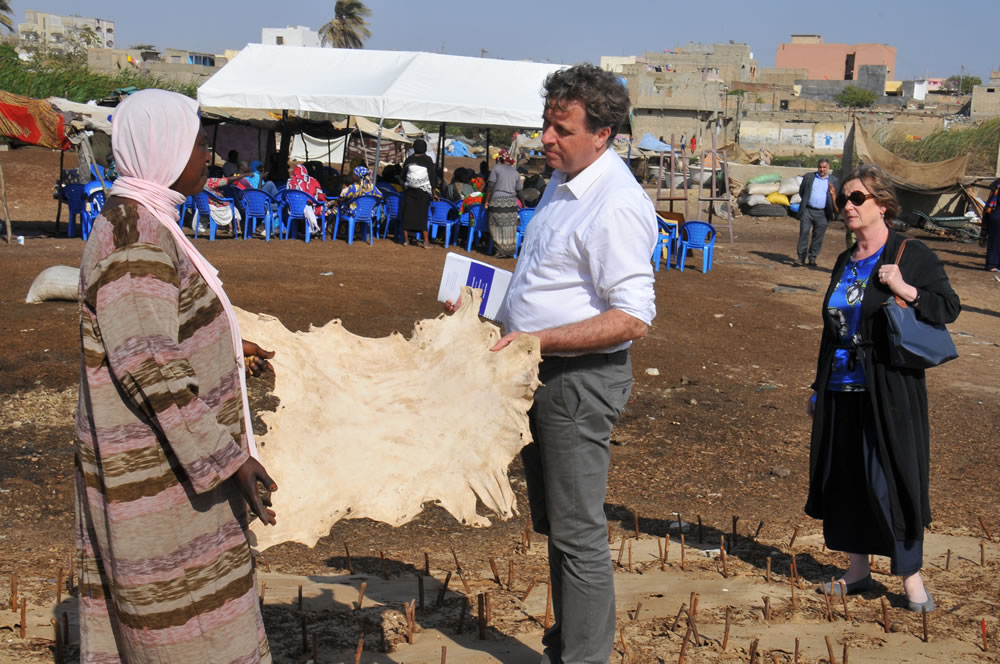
{"x":558,"y":362}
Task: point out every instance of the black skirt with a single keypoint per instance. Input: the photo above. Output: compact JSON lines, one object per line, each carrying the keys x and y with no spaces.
{"x":416,"y":203}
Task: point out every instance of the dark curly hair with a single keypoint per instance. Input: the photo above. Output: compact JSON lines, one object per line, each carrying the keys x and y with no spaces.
{"x":602,"y":94}
{"x":880,"y":185}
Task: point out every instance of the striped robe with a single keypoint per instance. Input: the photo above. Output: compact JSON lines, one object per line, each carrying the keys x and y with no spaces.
{"x":166,"y":573}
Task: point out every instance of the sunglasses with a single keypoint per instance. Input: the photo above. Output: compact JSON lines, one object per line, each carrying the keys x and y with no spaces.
{"x":857,"y":199}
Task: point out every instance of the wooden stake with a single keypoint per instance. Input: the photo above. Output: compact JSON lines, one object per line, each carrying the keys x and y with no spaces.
{"x":794,"y":569}
{"x":630,"y":556}
{"x":548,"y":605}
{"x":458,"y":568}
{"x":361,"y":646}
{"x":442,"y":590}
{"x":636,"y":515}
{"x":795,"y":660}
{"x":829,"y":649}
{"x":843,"y":598}
{"x":461,"y":615}
{"x":725,"y":635}
{"x":527,"y":535}
{"x":682,"y":551}
{"x":923,"y":618}
{"x":760,"y":526}
{"x":666,"y":548}
{"x":845,"y":655}
{"x":481,"y":598}
{"x":829,"y":607}
{"x":680,"y":527}
{"x":793,"y":597}
{"x":722,"y":550}
{"x":795,"y":533}
{"x":531,"y":585}
{"x":60,"y":653}
{"x":701,"y":532}
{"x":305,"y":633}
{"x":753,"y":650}
{"x":985,"y":529}
{"x":621,"y":552}
{"x":767,"y":608}
{"x":510,"y":574}
{"x":982,"y":554}
{"x":621,"y":637}
{"x":692,"y":618}
{"x":767,"y":569}
{"x":263,"y":590}
{"x":659,"y":545}
{"x":361,"y":594}
{"x":496,"y":574}
{"x":24,"y":617}
{"x":732,"y":540}
{"x":420,"y":591}
{"x":427,"y":564}
{"x":677,"y":619}
{"x":350,"y":567}
{"x":982,"y":626}
{"x":885,"y":616}
{"x":444,"y":654}
{"x":638,"y":608}
{"x":684,"y":645}
{"x":947,"y":560}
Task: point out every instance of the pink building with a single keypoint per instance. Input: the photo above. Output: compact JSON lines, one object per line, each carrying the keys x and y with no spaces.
{"x":834,"y":62}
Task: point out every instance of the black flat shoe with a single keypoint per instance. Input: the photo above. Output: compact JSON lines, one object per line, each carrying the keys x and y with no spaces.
{"x":919,"y":607}
{"x":834,"y":588}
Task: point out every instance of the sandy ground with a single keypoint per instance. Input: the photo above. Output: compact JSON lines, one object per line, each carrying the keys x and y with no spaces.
{"x":719,"y":432}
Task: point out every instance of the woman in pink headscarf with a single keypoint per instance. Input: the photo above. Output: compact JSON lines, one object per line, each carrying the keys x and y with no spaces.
{"x":165,"y":466}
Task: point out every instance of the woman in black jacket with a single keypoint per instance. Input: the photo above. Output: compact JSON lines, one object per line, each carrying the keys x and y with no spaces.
{"x":869,"y":458}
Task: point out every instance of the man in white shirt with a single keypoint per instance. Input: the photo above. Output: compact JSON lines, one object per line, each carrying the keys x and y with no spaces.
{"x":584,"y":286}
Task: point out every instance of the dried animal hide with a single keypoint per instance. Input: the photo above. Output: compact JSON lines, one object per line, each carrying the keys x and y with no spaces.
{"x":375,"y":428}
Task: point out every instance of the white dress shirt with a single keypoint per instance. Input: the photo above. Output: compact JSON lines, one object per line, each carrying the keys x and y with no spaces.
{"x":586,"y":250}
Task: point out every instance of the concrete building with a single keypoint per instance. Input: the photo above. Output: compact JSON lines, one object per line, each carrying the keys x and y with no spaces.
{"x":616,"y":63}
{"x":61,"y":33}
{"x":706,"y":62}
{"x":833,"y":62}
{"x":171,"y":64}
{"x":986,"y":99}
{"x":290,"y":36}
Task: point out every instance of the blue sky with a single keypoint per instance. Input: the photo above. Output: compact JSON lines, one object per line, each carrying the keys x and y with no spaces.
{"x":933,"y":39}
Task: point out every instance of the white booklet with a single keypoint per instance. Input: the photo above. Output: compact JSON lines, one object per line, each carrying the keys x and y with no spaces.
{"x":461,"y":271}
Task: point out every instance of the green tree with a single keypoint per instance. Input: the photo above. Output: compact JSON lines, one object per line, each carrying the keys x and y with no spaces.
{"x":855,"y":97}
{"x":962,"y":84}
{"x":6,"y":15}
{"x":348,"y":29}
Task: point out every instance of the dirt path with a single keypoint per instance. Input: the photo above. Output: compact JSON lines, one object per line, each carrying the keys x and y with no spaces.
{"x":720,"y":431}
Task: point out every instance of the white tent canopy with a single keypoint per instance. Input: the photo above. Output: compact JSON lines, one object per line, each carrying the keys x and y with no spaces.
{"x":403,"y":85}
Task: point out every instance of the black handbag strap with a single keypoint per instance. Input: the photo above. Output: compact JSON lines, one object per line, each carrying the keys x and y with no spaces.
{"x":899,"y":254}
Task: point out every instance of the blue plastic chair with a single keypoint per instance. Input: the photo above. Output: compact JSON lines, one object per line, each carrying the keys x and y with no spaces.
{"x":257,"y":206}
{"x":203,"y":209}
{"x":524,"y":216}
{"x":666,"y":239}
{"x":95,"y":203}
{"x":442,"y":214}
{"x":295,"y":203}
{"x":75,"y":196}
{"x":478,"y":226}
{"x":182,"y":209}
{"x":696,"y":235}
{"x":365,"y":209}
{"x":392,"y":207}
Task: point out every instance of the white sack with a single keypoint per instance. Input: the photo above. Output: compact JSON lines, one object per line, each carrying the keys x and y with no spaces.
{"x":757,"y":199}
{"x":59,"y":282}
{"x":789,"y":186}
{"x":763,"y":188}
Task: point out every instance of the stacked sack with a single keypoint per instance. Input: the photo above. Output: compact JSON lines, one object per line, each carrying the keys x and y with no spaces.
{"x":771,"y":196}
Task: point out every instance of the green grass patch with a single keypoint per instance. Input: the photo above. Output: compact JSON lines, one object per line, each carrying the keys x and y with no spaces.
{"x":979,"y":142}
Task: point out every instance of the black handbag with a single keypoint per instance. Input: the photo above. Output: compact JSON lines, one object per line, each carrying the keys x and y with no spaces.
{"x":913,"y":343}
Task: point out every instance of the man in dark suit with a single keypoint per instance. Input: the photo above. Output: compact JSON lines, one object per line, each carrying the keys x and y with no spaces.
{"x":818,"y":191}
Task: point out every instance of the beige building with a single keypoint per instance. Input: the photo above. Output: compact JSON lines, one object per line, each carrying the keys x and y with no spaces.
{"x":986,"y":99}
{"x":62,"y":32}
{"x":171,"y":64}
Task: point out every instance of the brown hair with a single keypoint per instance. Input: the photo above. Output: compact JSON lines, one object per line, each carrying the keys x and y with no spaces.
{"x":602,"y":94}
{"x":879,"y":185}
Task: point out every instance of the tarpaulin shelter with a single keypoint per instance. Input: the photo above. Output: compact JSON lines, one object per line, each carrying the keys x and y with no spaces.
{"x":403,"y":85}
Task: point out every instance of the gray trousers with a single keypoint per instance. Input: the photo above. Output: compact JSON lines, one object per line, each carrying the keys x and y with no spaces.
{"x":810,"y":219}
{"x":566,"y":468}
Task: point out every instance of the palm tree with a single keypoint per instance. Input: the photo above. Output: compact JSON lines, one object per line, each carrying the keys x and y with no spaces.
{"x":6,"y":18}
{"x":348,"y":29}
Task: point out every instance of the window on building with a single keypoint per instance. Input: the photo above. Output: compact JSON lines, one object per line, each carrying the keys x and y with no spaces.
{"x":991,"y":90}
{"x":279,"y":40}
{"x":849,"y":67}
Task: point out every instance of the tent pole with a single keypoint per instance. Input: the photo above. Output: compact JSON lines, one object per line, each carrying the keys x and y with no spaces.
{"x":378,"y":150}
{"x":347,"y":144}
{"x":305,"y":145}
{"x":329,"y":148}
{"x":215,"y":140}
{"x":285,"y":147}
{"x":62,"y":158}
{"x":262,"y":158}
{"x":487,"y":146}
{"x":3,"y":196}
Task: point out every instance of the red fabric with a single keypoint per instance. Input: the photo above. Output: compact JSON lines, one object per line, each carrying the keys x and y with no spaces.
{"x":32,"y":121}
{"x":302,"y":181}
